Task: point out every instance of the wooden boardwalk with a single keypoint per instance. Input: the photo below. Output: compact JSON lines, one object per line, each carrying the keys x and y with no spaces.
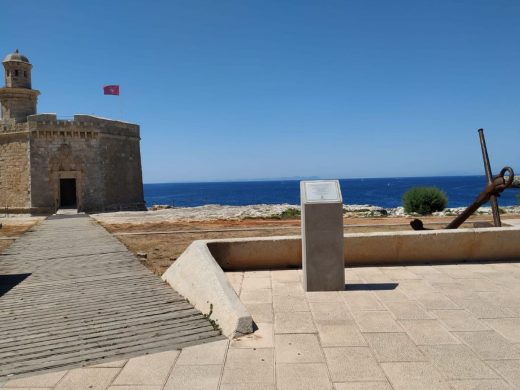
{"x":72,"y":295}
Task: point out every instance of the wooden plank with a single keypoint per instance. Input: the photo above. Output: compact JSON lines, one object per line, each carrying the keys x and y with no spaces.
{"x":87,"y":299}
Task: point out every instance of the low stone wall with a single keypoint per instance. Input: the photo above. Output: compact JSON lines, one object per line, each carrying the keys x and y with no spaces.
{"x":365,"y":249}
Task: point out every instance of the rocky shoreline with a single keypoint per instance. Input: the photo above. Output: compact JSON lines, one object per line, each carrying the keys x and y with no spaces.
{"x":160,"y":213}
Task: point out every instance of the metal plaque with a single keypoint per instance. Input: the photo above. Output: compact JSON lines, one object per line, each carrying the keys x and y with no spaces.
{"x":322,"y":191}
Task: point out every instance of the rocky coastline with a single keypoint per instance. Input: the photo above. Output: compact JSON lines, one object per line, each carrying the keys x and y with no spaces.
{"x":160,"y":213}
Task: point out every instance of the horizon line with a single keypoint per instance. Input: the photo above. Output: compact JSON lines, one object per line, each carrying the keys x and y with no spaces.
{"x":298,"y":178}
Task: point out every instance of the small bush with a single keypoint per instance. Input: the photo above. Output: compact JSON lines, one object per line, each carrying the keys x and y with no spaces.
{"x":290,"y":213}
{"x":424,"y":200}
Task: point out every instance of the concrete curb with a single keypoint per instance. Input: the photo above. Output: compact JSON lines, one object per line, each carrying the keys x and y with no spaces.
{"x":198,"y":274}
{"x":198,"y":277}
{"x":371,"y":249}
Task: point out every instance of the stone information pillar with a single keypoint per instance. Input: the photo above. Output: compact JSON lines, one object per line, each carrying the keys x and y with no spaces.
{"x":322,"y":236}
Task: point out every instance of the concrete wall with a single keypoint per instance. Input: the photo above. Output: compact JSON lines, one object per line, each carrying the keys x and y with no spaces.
{"x":14,"y":171}
{"x":197,"y":276}
{"x":364,"y":249}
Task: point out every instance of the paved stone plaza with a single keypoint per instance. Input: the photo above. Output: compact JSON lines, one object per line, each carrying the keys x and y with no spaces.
{"x":417,"y":327}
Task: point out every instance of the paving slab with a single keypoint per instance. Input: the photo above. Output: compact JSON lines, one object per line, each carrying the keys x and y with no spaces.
{"x":376,"y":321}
{"x":509,"y":369}
{"x":460,"y":320}
{"x":199,"y":377}
{"x":436,"y":301}
{"x":256,"y":283}
{"x":414,"y":375}
{"x":407,"y":311}
{"x":249,"y":365}
{"x":353,"y":364}
{"x":298,"y":348}
{"x":329,"y":311}
{"x":458,"y":362}
{"x":294,"y":322}
{"x":507,"y":327}
{"x":247,"y":386}
{"x":489,"y":345}
{"x":480,"y":384}
{"x":44,"y":380}
{"x":302,"y":377}
{"x":287,"y":288}
{"x":393,"y":347}
{"x":263,"y":337}
{"x":428,"y":332}
{"x":88,"y":379}
{"x":256,"y":296}
{"x":147,"y":370}
{"x":361,"y":300}
{"x":363,"y":386}
{"x":204,"y":354}
{"x":261,"y":312}
{"x":290,"y":303}
{"x":135,"y":387}
{"x":339,"y":334}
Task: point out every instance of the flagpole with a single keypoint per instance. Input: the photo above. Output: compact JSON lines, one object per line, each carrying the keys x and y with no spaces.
{"x":114,"y":90}
{"x":120,"y":105}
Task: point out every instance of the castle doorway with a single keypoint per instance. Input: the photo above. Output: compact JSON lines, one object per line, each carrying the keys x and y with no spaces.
{"x":68,"y":193}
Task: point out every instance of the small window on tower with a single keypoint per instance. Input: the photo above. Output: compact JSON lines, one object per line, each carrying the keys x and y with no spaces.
{"x":16,"y":72}
{"x":24,"y":73}
{"x":7,"y":73}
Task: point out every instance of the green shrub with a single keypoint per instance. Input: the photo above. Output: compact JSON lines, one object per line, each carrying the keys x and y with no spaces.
{"x":424,"y":200}
{"x":290,"y":213}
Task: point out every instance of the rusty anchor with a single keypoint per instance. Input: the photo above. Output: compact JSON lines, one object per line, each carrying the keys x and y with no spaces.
{"x":495,"y":185}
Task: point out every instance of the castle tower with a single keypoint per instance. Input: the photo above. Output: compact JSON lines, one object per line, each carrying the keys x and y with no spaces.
{"x":17,"y":98}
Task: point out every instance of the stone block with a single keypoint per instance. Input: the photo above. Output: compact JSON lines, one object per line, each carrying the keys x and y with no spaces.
{"x":322,"y":236}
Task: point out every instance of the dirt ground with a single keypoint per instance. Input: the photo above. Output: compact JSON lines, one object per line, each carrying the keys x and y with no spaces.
{"x":162,"y":243}
{"x":10,"y":231}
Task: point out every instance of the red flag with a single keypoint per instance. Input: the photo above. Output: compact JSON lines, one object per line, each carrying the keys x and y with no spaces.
{"x":111,"y":90}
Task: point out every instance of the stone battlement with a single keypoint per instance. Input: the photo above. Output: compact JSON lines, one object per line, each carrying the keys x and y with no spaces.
{"x":51,"y":125}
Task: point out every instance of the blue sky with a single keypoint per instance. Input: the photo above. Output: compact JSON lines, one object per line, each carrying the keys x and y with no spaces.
{"x":267,"y":89}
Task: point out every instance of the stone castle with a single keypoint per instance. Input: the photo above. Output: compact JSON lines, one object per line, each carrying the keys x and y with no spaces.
{"x":89,"y":163}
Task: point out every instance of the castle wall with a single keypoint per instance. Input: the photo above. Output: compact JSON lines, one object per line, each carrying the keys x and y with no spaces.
{"x":17,"y":104}
{"x":14,"y":171}
{"x":122,"y":174}
{"x":102,"y":155}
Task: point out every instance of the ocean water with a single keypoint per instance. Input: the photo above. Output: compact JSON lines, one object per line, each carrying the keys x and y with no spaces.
{"x":384,"y":192}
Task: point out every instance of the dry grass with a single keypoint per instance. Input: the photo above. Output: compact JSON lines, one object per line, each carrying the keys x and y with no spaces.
{"x":14,"y":230}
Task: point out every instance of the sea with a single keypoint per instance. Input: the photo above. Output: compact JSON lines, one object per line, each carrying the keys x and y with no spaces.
{"x":384,"y":192}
